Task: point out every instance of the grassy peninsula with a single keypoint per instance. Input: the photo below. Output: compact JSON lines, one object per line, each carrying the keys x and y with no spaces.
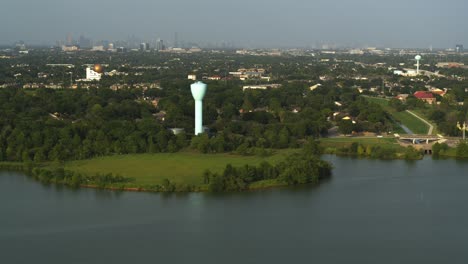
{"x":181,"y":168}
{"x":184,"y":171}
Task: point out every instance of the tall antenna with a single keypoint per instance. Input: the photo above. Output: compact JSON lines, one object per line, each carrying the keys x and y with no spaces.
{"x":176,"y":40}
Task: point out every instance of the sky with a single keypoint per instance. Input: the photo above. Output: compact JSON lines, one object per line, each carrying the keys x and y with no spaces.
{"x":247,"y":23}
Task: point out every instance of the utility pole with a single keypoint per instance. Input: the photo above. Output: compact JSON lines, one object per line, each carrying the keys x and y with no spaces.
{"x":463,"y":128}
{"x":383,"y":86}
{"x":71,"y":79}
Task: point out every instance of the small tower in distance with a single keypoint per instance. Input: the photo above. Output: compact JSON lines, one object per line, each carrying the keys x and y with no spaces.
{"x":198,"y":92}
{"x":417,"y":58}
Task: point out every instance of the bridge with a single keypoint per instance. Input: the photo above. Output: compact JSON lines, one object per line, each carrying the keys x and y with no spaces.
{"x":420,"y":139}
{"x":421,"y":142}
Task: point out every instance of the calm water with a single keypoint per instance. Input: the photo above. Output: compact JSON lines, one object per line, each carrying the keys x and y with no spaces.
{"x":369,"y":212}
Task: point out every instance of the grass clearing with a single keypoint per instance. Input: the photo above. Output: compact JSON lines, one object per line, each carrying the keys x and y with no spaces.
{"x":411,"y":122}
{"x":424,"y":115}
{"x":181,"y":167}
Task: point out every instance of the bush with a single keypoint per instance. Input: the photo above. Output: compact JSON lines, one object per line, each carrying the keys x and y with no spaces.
{"x":462,"y":150}
{"x":412,"y":154}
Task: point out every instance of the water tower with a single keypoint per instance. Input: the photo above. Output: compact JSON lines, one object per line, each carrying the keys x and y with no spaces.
{"x":198,"y":92}
{"x":417,"y":58}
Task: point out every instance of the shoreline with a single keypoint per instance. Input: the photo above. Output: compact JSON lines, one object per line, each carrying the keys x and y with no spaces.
{"x":27,"y":169}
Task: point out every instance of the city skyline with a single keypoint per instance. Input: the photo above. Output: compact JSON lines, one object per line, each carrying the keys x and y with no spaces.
{"x":399,"y":24}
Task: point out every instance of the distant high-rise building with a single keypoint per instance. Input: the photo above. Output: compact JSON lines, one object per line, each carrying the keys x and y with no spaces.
{"x":104,"y":43}
{"x":69,"y":39}
{"x":84,"y":43}
{"x":144,"y":46}
{"x":20,"y":45}
{"x":459,"y":48}
{"x":59,"y":43}
{"x":160,"y":45}
{"x":176,"y":40}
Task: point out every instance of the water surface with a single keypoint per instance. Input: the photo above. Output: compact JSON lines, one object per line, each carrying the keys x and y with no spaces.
{"x":368,"y":212}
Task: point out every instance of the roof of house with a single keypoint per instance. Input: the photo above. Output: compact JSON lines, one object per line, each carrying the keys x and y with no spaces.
{"x":423,"y":95}
{"x":439,"y":92}
{"x":402,"y":96}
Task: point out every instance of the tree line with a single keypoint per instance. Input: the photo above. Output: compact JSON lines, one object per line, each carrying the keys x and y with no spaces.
{"x":298,"y":168}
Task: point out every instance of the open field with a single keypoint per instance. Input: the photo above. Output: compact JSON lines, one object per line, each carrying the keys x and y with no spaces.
{"x":405,"y":118}
{"x":181,"y":167}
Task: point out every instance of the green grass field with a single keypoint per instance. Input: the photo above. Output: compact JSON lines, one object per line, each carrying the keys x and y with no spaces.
{"x":424,"y":114}
{"x":414,"y":124}
{"x":181,"y":167}
{"x":411,"y":122}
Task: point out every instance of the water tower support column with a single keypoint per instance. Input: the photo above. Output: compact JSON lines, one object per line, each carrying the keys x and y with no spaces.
{"x":198,"y":117}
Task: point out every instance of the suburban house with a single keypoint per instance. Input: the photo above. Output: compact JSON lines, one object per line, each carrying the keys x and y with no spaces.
{"x":427,"y":97}
{"x":402,"y":97}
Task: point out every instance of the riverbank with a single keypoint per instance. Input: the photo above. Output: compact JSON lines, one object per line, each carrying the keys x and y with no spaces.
{"x":386,"y":148}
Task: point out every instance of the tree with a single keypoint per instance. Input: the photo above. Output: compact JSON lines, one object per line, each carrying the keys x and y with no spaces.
{"x":312,"y":147}
{"x":412,"y":154}
{"x":206,"y":176}
{"x":439,"y":148}
{"x":300,"y":169}
{"x":201,"y":142}
{"x":39,"y":156}
{"x":216,"y":183}
{"x":462,"y":150}
{"x":397,"y":104}
{"x":283,"y":139}
{"x":346,"y":127}
{"x":360,"y":150}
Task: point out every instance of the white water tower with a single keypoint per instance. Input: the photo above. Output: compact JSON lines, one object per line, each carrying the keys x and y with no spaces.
{"x":417,"y":58}
{"x":198,"y":92}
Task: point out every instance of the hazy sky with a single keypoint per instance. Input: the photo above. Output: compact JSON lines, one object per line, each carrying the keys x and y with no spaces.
{"x":390,"y":23}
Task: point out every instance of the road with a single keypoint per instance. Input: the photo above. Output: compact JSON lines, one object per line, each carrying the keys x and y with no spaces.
{"x":431,"y":127}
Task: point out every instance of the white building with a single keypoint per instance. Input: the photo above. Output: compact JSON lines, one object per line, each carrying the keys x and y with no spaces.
{"x":408,"y":73}
{"x":261,"y":87}
{"x":192,"y":77}
{"x":69,"y":48}
{"x":92,"y":75}
{"x":98,"y":48}
{"x":313,"y":87}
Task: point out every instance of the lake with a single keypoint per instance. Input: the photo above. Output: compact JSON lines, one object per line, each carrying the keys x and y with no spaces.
{"x":369,"y":212}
